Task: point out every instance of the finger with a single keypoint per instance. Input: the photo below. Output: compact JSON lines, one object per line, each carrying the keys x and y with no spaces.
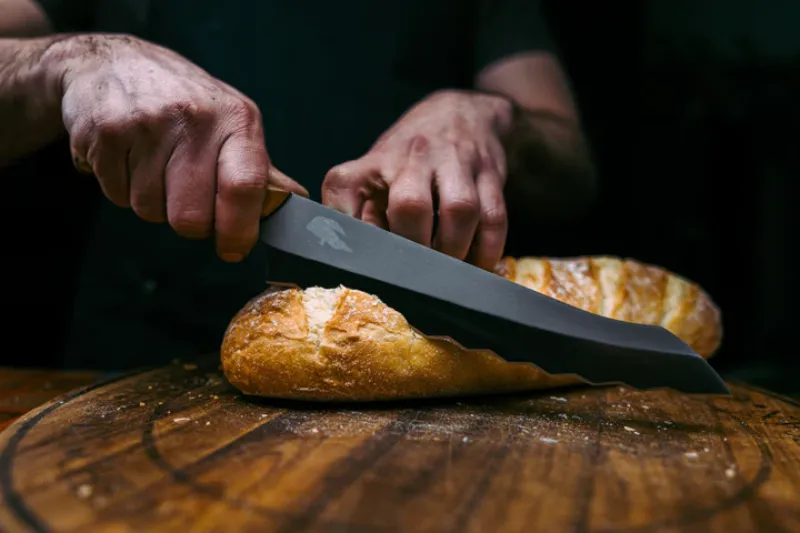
{"x":281,"y":181}
{"x":490,"y":237}
{"x":374,"y":212}
{"x":242,"y":174}
{"x":148,"y":161}
{"x":410,"y":206}
{"x":459,"y":208}
{"x":347,"y":186}
{"x":190,"y":188}
{"x":78,"y":123}
{"x":101,"y":147}
{"x":81,"y":165}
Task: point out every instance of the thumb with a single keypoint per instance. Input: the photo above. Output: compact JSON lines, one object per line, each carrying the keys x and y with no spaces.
{"x":279,"y":180}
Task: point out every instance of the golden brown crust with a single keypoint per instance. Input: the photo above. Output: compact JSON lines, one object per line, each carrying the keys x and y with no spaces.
{"x":366,"y":351}
{"x":345,"y":345}
{"x":626,"y":290}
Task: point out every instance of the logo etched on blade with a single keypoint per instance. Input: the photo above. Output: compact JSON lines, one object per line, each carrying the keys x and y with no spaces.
{"x":328,"y":231}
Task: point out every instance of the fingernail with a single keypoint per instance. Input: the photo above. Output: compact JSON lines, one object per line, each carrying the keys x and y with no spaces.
{"x":232,"y":257}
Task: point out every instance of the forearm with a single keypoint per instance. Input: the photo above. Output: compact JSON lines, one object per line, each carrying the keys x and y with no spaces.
{"x":30,"y":94}
{"x":550,"y":170}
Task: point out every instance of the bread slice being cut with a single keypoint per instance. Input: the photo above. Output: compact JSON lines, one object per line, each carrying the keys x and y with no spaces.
{"x":341,"y":344}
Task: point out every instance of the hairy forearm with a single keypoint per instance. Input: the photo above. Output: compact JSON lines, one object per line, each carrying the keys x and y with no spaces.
{"x":30,"y":95}
{"x":550,"y":169}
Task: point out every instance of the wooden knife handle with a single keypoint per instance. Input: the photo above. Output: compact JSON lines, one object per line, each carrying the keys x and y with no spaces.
{"x":276,"y":195}
{"x":273,"y":200}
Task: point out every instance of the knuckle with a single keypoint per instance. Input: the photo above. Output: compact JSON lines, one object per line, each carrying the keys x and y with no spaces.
{"x":191,"y":223}
{"x":460,"y":208}
{"x":113,"y":123}
{"x":149,"y":119}
{"x":187,"y":111}
{"x":486,"y":161}
{"x":466,"y":148}
{"x":336,"y":177}
{"x":180,"y":109}
{"x":177,"y":112}
{"x":410,"y":205}
{"x":148,"y":207}
{"x":243,"y":183}
{"x":80,"y":131}
{"x":459,"y":131}
{"x":419,"y":144}
{"x":180,"y":112}
{"x":345,"y":175}
{"x":246,"y":112}
{"x":494,"y":218}
{"x":363,"y":174}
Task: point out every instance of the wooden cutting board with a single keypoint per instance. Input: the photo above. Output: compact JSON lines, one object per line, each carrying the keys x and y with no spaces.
{"x":177,"y":449}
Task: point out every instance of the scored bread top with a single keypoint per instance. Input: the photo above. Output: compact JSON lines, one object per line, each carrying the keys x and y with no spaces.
{"x":624,"y":289}
{"x":343,"y":344}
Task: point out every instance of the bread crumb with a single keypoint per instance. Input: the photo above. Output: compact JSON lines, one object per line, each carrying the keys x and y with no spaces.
{"x":730,"y":472}
{"x":84,"y":491}
{"x":548,"y":440}
{"x":558,"y":399}
{"x":141,"y":404}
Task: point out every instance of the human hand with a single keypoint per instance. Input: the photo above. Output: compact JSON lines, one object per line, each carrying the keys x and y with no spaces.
{"x":167,"y":139}
{"x":446,"y":150}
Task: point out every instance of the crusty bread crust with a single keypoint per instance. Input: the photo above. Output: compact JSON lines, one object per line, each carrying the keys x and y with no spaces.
{"x":624,"y":289}
{"x":342,"y":344}
{"x":345,"y":345}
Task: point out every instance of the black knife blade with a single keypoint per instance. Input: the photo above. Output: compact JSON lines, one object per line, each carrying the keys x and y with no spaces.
{"x":310,"y":244}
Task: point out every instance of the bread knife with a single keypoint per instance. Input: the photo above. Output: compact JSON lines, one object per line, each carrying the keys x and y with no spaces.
{"x":309,"y":244}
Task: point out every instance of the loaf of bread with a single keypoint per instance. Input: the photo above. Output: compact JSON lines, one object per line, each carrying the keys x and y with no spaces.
{"x":340,"y":344}
{"x":624,"y":289}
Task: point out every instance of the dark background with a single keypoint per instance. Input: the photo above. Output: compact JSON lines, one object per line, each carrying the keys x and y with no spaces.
{"x":692,"y":110}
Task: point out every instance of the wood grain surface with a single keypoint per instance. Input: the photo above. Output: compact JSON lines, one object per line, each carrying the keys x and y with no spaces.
{"x":24,"y":389}
{"x":176,"y":449}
